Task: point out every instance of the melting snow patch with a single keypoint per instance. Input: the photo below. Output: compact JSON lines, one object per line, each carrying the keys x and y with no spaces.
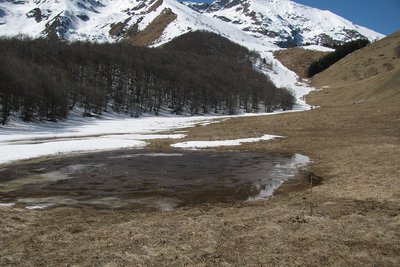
{"x":7,"y":205}
{"x":145,"y":136}
{"x":318,"y":48}
{"x":236,"y":142}
{"x":84,"y":135}
{"x":161,"y":155}
{"x":147,"y":155}
{"x":16,"y":152}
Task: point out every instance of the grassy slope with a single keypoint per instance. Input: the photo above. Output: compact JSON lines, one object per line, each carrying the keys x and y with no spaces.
{"x":371,"y":74}
{"x":353,"y":219}
{"x":298,"y":59}
{"x":154,"y":30}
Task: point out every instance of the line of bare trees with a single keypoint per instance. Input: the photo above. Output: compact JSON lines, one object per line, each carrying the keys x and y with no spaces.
{"x":44,"y":79}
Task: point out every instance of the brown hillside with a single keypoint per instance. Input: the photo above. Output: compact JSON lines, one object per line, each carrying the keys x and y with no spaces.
{"x":369,"y":74}
{"x":154,"y":30}
{"x":155,"y":6}
{"x":298,"y":59}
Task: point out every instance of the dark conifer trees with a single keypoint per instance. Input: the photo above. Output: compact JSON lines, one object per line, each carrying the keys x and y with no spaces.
{"x":330,"y":59}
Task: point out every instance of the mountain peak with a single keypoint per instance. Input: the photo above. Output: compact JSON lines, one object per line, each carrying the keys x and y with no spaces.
{"x":286,"y":22}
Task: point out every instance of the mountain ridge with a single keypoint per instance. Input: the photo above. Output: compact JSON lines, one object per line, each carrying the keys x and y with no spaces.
{"x":276,"y":23}
{"x":286,"y":22}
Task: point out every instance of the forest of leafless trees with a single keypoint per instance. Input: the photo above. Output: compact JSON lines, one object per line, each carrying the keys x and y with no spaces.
{"x":196,"y":73}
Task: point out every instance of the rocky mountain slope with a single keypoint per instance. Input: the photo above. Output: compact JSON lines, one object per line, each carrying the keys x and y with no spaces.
{"x":273,"y":23}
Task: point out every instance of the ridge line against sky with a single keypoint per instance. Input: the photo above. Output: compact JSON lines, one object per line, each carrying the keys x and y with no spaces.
{"x":381,"y":16}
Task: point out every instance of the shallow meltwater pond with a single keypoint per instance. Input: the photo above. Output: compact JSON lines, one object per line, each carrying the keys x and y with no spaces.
{"x":142,"y":180}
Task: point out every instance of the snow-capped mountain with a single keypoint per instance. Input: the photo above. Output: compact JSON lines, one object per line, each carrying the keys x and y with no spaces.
{"x":268,"y":23}
{"x":285,"y":22}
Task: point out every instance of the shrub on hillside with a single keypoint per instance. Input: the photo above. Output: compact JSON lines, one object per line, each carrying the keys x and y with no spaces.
{"x":330,"y":59}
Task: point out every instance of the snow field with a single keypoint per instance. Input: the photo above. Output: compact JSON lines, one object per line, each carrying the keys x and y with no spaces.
{"x":193,"y":145}
{"x":20,"y":141}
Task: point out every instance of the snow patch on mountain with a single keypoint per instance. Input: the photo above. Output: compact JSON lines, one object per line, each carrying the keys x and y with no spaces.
{"x":318,"y":48}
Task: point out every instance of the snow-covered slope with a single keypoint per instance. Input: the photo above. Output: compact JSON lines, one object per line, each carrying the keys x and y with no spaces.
{"x":285,"y":22}
{"x":280,"y":22}
{"x":68,"y":19}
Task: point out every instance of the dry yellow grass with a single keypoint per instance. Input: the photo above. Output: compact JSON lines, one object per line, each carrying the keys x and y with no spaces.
{"x":352,"y":219}
{"x":298,"y":59}
{"x":369,"y":74}
{"x":156,"y":5}
{"x":154,"y":30}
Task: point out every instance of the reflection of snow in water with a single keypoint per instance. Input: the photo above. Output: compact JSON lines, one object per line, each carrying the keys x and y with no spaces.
{"x":147,"y":155}
{"x":165,"y":204}
{"x":281,"y":173}
{"x":158,"y":203}
{"x":7,"y":205}
{"x":183,"y":177}
{"x":79,"y":167}
{"x":45,"y":202}
{"x":40,"y":206}
{"x":162,"y":155}
{"x":45,"y":178}
{"x":34,"y":179}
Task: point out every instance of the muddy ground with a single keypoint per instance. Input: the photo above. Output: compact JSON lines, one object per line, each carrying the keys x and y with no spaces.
{"x":139,"y":180}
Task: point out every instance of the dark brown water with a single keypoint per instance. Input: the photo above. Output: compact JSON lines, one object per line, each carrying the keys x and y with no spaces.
{"x":146,"y":181}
